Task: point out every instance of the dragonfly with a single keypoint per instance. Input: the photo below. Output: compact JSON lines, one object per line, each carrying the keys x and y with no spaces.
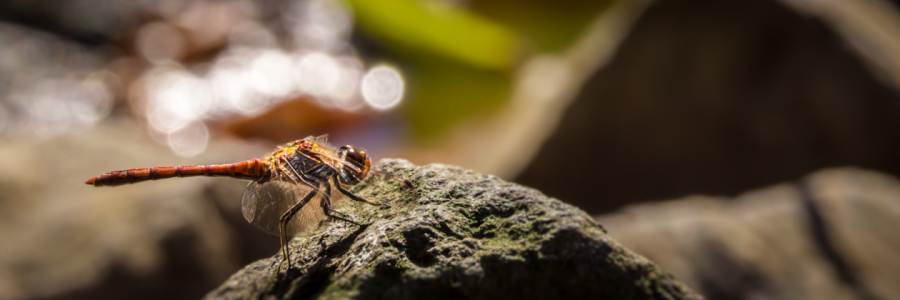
{"x":290,"y":192}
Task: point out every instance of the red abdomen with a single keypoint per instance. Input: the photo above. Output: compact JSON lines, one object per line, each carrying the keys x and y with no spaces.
{"x":251,"y":169}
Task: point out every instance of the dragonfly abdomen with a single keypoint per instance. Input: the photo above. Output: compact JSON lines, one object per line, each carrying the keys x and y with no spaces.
{"x":251,"y":169}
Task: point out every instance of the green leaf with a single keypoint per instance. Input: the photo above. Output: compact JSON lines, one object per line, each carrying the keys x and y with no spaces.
{"x":431,"y":27}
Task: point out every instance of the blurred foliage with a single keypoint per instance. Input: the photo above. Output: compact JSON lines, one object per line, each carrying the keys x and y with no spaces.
{"x":549,"y":26}
{"x":461,"y":62}
{"x":458,"y":63}
{"x":434,"y":28}
{"x":442,"y":92}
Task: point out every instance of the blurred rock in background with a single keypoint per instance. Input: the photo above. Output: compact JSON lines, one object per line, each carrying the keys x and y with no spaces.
{"x":829,"y":236}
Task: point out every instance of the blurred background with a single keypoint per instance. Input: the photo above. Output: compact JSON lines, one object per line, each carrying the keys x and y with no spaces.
{"x":749,"y":147}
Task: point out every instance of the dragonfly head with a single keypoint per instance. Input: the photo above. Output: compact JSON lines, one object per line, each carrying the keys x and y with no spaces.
{"x":356,"y":164}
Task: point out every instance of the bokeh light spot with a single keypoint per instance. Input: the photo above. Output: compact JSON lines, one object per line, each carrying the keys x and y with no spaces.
{"x":190,"y":140}
{"x":346,"y":91}
{"x":175,"y":98}
{"x":271,"y":72}
{"x":317,"y":74}
{"x":382,"y":87}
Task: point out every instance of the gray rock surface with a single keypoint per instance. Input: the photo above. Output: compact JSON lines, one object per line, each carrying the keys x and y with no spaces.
{"x":458,"y":234}
{"x":832,"y":235}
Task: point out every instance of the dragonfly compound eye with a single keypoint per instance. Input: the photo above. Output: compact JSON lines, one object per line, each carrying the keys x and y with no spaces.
{"x":356,"y":164}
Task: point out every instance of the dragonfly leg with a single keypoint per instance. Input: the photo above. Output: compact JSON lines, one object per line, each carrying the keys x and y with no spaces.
{"x":330,"y":212}
{"x":285,"y":219}
{"x":351,"y":195}
{"x":333,"y":214}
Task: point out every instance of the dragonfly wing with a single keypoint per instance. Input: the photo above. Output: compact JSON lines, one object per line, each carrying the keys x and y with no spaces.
{"x":263,"y":204}
{"x":309,"y":218}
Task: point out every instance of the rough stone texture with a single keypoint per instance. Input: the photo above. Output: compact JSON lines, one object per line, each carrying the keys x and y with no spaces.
{"x":458,"y":234}
{"x":832,"y":235}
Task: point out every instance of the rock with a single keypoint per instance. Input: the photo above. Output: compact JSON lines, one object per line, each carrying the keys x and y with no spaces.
{"x":457,"y":234}
{"x":856,"y":216}
{"x":829,"y":236}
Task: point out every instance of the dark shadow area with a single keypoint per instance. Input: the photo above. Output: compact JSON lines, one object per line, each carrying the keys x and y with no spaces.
{"x":724,"y":277}
{"x":717,"y":97}
{"x":318,"y":277}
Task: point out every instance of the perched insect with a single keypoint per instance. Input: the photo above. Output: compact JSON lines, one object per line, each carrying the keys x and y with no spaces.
{"x":290,"y":191}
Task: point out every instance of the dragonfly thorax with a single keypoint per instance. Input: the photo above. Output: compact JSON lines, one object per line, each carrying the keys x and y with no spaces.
{"x":349,"y":164}
{"x":312,"y":166}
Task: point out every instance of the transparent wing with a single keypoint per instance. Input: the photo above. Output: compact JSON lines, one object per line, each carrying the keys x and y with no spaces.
{"x":321,"y":140}
{"x":263,"y":204}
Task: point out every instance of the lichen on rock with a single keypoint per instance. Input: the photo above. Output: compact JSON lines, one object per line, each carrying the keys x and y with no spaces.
{"x":456,"y":234}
